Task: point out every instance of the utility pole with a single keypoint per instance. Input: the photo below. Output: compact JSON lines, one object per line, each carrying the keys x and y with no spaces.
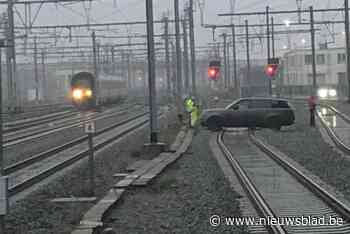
{"x":167,"y":56}
{"x":151,"y":73}
{"x":313,"y":49}
{"x":178,"y":55}
{"x":113,"y":60}
{"x":225,"y":59}
{"x":94,"y":52}
{"x":235,"y":60}
{"x":248,"y":57}
{"x":186,"y":61}
{"x":268,"y":35}
{"x":268,"y":45}
{"x":129,"y":69}
{"x":128,"y":57}
{"x":2,"y":217}
{"x":173,"y":51}
{"x":228,"y":65}
{"x":273,"y":38}
{"x":11,"y":58}
{"x":347,"y":38}
{"x":36,"y":75}
{"x":193,"y":49}
{"x":44,"y":80}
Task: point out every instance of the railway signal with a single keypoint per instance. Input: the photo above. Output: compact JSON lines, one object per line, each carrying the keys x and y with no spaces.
{"x":271,"y":69}
{"x":214,"y":70}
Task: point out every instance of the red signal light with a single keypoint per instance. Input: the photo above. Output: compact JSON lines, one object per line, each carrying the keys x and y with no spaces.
{"x":271,"y":70}
{"x":213,"y":73}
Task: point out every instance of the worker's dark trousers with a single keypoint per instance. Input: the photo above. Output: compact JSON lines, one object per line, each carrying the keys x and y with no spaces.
{"x":312,"y":117}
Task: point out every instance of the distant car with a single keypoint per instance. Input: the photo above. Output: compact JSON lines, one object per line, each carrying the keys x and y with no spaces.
{"x":250,"y":112}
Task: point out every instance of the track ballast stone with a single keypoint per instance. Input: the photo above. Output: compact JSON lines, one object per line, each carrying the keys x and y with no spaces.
{"x":306,"y":146}
{"x":182,"y":199}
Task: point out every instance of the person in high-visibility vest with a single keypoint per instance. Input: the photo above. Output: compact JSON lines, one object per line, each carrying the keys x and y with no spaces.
{"x":194,"y":115}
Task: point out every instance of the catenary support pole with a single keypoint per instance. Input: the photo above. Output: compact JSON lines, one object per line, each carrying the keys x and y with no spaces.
{"x":193,"y":50}
{"x":313,"y":49}
{"x":151,"y":73}
{"x":347,"y":38}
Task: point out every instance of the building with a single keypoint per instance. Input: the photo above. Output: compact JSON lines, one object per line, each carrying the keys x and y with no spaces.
{"x":297,"y":76}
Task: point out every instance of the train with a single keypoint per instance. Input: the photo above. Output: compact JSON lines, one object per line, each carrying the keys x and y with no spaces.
{"x":87,"y":92}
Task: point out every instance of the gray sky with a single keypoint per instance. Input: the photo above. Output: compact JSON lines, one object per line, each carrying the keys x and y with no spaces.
{"x":134,"y":10}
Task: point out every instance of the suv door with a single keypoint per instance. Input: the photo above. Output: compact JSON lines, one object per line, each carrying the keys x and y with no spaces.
{"x":259,"y":110}
{"x":236,"y":115}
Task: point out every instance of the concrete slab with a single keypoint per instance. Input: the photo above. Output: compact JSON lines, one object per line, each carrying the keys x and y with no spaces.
{"x":170,"y":158}
{"x":120,"y":175}
{"x":136,"y":165}
{"x":73,"y":199}
{"x":151,"y":148}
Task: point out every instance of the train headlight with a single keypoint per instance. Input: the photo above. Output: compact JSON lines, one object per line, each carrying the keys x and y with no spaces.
{"x":77,"y":94}
{"x":322,"y":93}
{"x":332,"y":92}
{"x":88,"y":92}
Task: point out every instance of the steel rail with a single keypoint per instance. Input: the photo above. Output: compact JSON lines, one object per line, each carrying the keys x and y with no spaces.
{"x":42,"y":132}
{"x":257,"y":199}
{"x":43,"y":155}
{"x":336,"y":140}
{"x":334,"y":203}
{"x":78,"y":156}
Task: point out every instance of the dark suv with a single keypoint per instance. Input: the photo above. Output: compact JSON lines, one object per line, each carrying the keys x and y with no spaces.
{"x":250,"y":112}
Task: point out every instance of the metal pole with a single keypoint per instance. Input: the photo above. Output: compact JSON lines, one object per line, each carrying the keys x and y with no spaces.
{"x":347,"y":36}
{"x":268,"y":45}
{"x":268,"y":35}
{"x":225,"y":59}
{"x":273,"y":38}
{"x":235,"y":60}
{"x":128,"y":59}
{"x":273,"y":52}
{"x":193,"y":49}
{"x":248,"y":57}
{"x":91,"y":165}
{"x":129,"y":69}
{"x":313,"y":49}
{"x":228,"y":65}
{"x":167,"y":56}
{"x":113,"y":60}
{"x":1,"y":120}
{"x":173,"y":51}
{"x":178,"y":54}
{"x":45,"y":87}
{"x":94,"y":52}
{"x":2,"y":218}
{"x":151,"y":72}
{"x":36,"y":71}
{"x":11,"y":58}
{"x":185,"y":54}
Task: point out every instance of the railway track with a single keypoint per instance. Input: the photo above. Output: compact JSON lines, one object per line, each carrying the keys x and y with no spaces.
{"x":337,"y":125}
{"x":25,"y":174}
{"x":280,"y":191}
{"x":47,"y":128}
{"x":37,"y":110}
{"x":27,"y":123}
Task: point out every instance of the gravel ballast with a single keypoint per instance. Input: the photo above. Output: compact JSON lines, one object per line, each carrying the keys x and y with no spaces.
{"x":37,"y":215}
{"x":306,"y":146}
{"x":181,"y":200}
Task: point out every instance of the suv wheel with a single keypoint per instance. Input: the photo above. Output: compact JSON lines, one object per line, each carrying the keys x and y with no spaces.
{"x":274,"y":123}
{"x":214,"y":124}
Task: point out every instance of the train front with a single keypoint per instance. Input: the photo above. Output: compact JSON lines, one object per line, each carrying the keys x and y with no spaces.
{"x":83,"y":90}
